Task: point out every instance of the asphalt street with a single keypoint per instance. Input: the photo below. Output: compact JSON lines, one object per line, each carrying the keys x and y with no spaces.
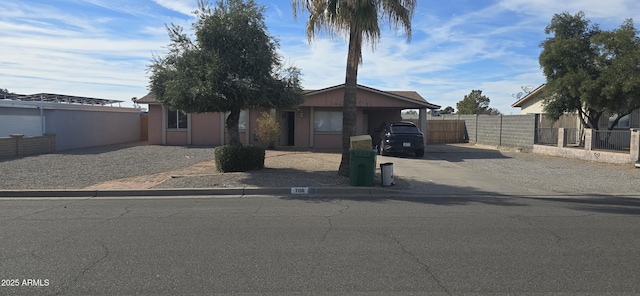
{"x":475,"y":243}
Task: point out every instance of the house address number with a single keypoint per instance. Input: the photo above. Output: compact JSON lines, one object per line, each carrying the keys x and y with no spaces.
{"x":299,"y":190}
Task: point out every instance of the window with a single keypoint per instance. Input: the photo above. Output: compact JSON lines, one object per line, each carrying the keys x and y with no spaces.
{"x":622,"y":123}
{"x":327,"y":121}
{"x":242,"y":121}
{"x":176,"y":119}
{"x":404,"y":129}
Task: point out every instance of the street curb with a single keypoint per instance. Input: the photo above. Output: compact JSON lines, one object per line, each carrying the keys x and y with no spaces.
{"x":277,"y":191}
{"x":346,"y":192}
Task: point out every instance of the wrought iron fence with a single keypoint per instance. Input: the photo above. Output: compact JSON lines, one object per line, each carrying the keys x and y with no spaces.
{"x":614,"y":140}
{"x":546,"y":136}
{"x":574,"y":137}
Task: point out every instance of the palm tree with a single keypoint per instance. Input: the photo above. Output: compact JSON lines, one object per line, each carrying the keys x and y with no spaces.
{"x":359,"y":20}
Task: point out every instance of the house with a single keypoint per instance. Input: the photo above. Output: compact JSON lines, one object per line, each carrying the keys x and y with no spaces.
{"x":74,"y":122}
{"x":532,"y":103}
{"x":316,"y":123}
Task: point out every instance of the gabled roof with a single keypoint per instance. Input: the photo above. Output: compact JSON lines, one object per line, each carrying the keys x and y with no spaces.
{"x":530,"y":96}
{"x":407,"y":96}
{"x":150,"y":98}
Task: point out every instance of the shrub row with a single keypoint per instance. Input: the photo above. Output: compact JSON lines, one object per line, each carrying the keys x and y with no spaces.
{"x":239,"y":158}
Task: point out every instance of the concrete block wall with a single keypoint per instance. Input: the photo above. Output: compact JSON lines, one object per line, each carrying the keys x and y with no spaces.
{"x":515,"y":131}
{"x":470,"y":122}
{"x":8,"y":148}
{"x":518,"y":131}
{"x":37,"y":145}
{"x":489,"y":130}
{"x":18,"y":145}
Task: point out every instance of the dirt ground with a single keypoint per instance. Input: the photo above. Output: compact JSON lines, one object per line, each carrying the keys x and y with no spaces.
{"x":285,"y":163}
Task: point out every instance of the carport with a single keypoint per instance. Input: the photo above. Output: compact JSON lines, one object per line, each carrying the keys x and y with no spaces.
{"x":321,"y":114}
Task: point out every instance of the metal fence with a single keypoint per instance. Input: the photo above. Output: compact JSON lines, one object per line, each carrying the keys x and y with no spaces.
{"x":574,"y":137}
{"x":546,"y":136}
{"x":613,"y":140}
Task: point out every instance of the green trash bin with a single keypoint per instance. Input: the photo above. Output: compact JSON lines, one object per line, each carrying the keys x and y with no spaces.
{"x":362,"y":167}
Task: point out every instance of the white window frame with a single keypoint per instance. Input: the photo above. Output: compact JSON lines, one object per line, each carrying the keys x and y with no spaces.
{"x":177,"y":118}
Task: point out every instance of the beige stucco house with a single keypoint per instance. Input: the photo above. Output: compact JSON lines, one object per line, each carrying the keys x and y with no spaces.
{"x":532,"y":103}
{"x":316,"y":123}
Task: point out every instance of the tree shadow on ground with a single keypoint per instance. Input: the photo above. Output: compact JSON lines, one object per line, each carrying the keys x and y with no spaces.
{"x":600,"y":203}
{"x":403,"y":190}
{"x":439,"y":200}
{"x":453,"y":153}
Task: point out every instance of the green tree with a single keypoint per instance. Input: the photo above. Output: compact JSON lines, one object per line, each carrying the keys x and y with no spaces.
{"x":619,"y":63}
{"x":231,"y":65}
{"x":567,"y":61}
{"x":473,"y":103}
{"x":447,"y":110}
{"x":4,"y":91}
{"x":359,"y":20}
{"x":494,"y":111}
{"x":590,"y":71}
{"x":134,"y":100}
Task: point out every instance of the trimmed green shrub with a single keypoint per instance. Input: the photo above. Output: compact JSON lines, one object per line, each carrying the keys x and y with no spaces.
{"x":239,"y":158}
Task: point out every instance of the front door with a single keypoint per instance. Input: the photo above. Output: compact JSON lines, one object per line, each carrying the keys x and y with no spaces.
{"x":287,"y":128}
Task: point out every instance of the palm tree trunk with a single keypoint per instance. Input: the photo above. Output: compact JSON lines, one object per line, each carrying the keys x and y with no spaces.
{"x":350,"y":90}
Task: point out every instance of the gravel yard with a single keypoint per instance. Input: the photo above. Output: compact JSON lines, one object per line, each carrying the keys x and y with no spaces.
{"x":80,"y":168}
{"x":141,"y":167}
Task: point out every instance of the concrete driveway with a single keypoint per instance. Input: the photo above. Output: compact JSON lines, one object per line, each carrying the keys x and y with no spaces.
{"x":468,"y":169}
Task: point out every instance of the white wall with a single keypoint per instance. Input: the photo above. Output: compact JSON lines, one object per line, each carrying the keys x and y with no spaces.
{"x":28,"y":125}
{"x":83,"y":128}
{"x":75,"y":126}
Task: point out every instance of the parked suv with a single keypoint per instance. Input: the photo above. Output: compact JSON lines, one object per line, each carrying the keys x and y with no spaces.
{"x":401,"y":137}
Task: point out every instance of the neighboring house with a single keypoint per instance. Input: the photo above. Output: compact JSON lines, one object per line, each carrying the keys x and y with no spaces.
{"x":532,"y":103}
{"x":77,"y":122}
{"x":316,"y":123}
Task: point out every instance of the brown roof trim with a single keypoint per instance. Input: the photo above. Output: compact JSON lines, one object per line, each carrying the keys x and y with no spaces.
{"x":407,"y":96}
{"x":150,"y":98}
{"x":528,"y":97}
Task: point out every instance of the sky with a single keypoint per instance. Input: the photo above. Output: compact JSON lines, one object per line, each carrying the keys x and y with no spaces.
{"x":102,"y":48}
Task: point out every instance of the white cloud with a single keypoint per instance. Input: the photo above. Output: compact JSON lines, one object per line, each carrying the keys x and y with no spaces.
{"x":46,"y":49}
{"x":104,"y":50}
{"x":322,"y":63}
{"x":185,"y":7}
{"x":612,"y":12}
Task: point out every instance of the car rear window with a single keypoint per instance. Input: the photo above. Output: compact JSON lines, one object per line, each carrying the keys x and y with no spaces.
{"x":403,"y":129}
